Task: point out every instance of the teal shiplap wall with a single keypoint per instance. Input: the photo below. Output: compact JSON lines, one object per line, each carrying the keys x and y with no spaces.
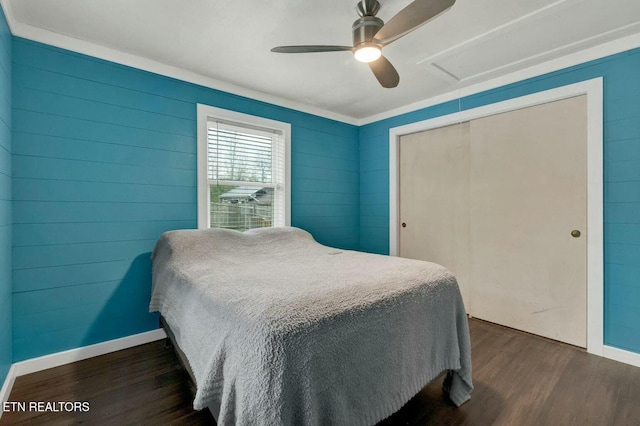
{"x":621,"y":74}
{"x":5,"y":198}
{"x":104,"y":161}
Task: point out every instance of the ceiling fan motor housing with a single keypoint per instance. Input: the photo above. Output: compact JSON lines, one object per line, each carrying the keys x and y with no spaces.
{"x":368,"y":7}
{"x":365,"y":28}
{"x":367,"y":48}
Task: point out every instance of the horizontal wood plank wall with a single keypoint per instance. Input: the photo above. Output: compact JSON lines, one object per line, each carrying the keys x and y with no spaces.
{"x":5,"y":198}
{"x":104,"y":161}
{"x":621,"y":179}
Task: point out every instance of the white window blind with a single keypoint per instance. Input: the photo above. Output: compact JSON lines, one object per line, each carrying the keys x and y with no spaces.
{"x":246,"y":173}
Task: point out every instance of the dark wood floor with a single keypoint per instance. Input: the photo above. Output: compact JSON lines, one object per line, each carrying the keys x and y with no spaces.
{"x":519,"y":380}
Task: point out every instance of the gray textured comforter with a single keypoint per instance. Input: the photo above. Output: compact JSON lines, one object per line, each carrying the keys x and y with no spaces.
{"x":281,"y":330}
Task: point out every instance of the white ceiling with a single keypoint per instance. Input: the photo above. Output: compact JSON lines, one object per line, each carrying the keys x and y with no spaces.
{"x":230,"y":42}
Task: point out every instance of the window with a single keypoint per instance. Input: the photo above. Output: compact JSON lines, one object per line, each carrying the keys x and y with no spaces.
{"x":243,"y":170}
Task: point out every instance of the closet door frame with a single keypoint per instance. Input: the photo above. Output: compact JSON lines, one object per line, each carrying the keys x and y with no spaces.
{"x":595,"y":221}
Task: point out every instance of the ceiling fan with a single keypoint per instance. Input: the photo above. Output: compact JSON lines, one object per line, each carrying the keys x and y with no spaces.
{"x":371,"y":34}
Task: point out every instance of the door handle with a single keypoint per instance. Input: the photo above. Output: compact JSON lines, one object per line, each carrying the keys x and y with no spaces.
{"x":404,"y":225}
{"x":575,"y":233}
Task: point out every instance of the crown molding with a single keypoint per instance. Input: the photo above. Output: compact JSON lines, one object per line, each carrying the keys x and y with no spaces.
{"x":29,"y":32}
{"x":40,"y":35}
{"x":585,"y":55}
{"x":8,"y":13}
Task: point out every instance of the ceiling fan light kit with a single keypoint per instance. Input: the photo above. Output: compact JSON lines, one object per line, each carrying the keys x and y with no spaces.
{"x":371,"y":34}
{"x":364,"y":29}
{"x":367,"y":53}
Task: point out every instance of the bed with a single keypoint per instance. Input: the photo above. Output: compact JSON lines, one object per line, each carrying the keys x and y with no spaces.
{"x":278,"y":329}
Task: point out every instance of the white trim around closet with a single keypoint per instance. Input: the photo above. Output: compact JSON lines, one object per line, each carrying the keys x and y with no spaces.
{"x":595,"y":260}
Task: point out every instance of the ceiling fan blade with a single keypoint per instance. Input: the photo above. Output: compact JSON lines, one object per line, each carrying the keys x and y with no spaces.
{"x":411,"y":17}
{"x":310,"y":49}
{"x":385,"y":72}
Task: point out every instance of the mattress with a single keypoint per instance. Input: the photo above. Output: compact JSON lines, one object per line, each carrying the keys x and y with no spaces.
{"x":279,"y":329}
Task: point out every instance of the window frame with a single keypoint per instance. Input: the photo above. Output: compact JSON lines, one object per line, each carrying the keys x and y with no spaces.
{"x":206,"y":113}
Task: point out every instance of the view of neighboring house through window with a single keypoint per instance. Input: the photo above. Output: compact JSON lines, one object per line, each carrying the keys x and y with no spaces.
{"x":246,"y":170}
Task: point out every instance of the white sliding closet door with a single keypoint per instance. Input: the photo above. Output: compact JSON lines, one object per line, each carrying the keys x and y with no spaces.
{"x":522,"y":185}
{"x":528,"y":193}
{"x":434,"y":198}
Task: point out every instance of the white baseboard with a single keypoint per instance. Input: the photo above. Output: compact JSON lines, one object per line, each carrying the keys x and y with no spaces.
{"x":621,"y":355}
{"x":6,"y":387}
{"x":54,"y":360}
